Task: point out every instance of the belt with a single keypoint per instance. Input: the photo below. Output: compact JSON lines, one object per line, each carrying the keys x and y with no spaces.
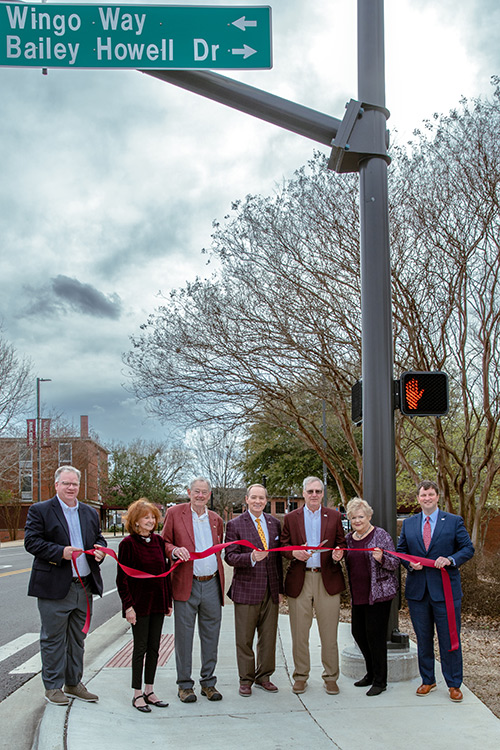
{"x":313,"y":570}
{"x":75,"y":579}
{"x":205,"y":578}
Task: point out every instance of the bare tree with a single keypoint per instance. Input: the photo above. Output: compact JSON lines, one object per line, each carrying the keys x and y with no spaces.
{"x":216,"y":454}
{"x":277,"y":327}
{"x":276,"y":331}
{"x":447,"y":293}
{"x":16,"y":384}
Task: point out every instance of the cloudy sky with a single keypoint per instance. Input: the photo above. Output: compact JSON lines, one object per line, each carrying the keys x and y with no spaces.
{"x":110,"y":180}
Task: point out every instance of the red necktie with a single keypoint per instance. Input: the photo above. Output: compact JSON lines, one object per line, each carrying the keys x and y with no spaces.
{"x":427,"y":533}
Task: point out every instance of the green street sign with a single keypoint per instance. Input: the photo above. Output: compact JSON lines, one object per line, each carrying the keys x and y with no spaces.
{"x":154,"y":37}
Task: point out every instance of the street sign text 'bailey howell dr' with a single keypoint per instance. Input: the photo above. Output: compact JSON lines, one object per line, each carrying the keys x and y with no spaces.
{"x":143,"y":36}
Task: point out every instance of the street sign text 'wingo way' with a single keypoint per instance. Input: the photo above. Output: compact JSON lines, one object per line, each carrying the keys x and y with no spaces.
{"x":126,"y":36}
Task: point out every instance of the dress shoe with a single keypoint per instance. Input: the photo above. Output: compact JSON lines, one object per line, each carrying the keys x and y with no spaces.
{"x":426,"y":689}
{"x":211,"y":693}
{"x":331,"y":687}
{"x":299,"y":686}
{"x":158,"y":704}
{"x":186,"y":695}
{"x":245,"y":690}
{"x":376,"y":690}
{"x":364,"y":681}
{"x":456,"y":695}
{"x":142,"y":709}
{"x":267,"y":685}
{"x":80,"y":691}
{"x":57,"y":697}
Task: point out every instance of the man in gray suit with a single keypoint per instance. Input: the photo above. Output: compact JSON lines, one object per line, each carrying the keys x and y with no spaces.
{"x":255,"y":590}
{"x":54,"y":530}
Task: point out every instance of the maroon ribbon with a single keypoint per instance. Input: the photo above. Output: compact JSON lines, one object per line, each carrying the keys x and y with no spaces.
{"x":426,"y":562}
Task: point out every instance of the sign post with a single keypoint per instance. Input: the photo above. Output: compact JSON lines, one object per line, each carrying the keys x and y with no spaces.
{"x":128,"y":36}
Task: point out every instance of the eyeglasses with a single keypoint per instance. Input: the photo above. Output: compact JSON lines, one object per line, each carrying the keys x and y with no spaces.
{"x":314,"y":492}
{"x":70,"y":484}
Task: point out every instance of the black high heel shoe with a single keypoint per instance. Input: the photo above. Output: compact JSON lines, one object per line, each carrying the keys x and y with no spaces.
{"x":142,"y":709}
{"x":158,"y":704}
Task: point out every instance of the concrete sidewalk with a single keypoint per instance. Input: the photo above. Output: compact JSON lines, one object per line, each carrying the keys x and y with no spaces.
{"x":395,"y":720}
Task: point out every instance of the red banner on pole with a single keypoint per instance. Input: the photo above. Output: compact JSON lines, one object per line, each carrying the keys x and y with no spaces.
{"x":31,"y":433}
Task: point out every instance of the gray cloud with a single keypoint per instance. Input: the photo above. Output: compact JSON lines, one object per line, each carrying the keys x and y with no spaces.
{"x":64,"y":294}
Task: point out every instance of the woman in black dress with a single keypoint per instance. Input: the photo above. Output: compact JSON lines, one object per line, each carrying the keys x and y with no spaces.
{"x":145,"y":601}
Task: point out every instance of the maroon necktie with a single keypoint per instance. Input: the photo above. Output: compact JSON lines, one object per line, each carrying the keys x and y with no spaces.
{"x":427,"y":533}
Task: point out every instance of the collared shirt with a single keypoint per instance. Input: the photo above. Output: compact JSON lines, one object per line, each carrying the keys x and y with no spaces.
{"x":433,"y":520}
{"x":263,"y":524}
{"x":75,"y":536}
{"x":203,"y":540}
{"x":312,"y":522}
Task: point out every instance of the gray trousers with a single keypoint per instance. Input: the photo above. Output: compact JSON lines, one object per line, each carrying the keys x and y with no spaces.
{"x":204,"y":603}
{"x":61,"y":637}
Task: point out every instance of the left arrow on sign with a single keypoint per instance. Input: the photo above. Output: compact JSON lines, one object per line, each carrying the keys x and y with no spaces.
{"x":242,"y":23}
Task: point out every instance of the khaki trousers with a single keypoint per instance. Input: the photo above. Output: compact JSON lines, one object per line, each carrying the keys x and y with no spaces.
{"x":327,"y":609}
{"x":263,"y":619}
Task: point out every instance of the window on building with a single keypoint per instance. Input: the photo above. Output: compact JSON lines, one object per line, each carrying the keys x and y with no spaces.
{"x":65,"y":454}
{"x":25,"y":457}
{"x":280,"y":506}
{"x":26,"y":484}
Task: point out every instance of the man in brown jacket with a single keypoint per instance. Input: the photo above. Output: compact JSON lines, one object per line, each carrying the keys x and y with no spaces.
{"x":314,"y":579}
{"x":197,"y":588}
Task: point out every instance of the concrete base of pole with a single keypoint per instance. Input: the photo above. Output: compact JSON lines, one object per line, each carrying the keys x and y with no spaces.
{"x":402,"y":664}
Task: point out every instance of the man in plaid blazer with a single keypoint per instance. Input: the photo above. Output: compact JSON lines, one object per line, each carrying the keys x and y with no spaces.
{"x":255,"y":590}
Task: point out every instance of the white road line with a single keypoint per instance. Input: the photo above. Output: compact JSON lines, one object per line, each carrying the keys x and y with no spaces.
{"x":11,"y":648}
{"x":5,"y":566}
{"x":111,"y":591}
{"x":31,"y":666}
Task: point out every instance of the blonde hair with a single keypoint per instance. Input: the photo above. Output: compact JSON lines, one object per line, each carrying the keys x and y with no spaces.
{"x":358,"y":503}
{"x":137,"y":510}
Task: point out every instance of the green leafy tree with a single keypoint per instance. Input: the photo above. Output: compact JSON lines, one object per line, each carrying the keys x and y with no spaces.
{"x":143,"y":469}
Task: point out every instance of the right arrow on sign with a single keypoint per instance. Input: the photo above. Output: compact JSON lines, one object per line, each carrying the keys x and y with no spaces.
{"x":246,"y":51}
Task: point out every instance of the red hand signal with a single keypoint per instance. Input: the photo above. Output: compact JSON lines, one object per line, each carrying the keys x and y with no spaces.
{"x":413,"y":395}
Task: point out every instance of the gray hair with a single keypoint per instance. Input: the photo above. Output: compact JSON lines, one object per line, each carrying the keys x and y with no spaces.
{"x":60,"y":470}
{"x":200,"y":479}
{"x":307,"y":481}
{"x":357,"y":503}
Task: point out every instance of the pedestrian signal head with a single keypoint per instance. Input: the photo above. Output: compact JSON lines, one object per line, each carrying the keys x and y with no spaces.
{"x":424,"y":394}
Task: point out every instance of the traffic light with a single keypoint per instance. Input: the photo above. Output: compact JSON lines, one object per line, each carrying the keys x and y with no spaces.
{"x":424,"y":394}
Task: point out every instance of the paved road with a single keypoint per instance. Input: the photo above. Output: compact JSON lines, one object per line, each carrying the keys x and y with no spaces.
{"x":19,"y":659}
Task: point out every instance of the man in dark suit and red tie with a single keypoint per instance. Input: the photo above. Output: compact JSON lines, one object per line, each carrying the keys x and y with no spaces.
{"x":441,"y":537}
{"x":314,"y":581}
{"x":255,"y":590}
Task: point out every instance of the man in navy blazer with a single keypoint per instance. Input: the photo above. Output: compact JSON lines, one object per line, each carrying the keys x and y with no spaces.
{"x":442,"y":537}
{"x":54,"y":530}
{"x":256,"y":589}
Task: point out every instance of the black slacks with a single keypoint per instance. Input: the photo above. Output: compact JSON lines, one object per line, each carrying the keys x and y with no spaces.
{"x":369,"y":624}
{"x":147,"y":634}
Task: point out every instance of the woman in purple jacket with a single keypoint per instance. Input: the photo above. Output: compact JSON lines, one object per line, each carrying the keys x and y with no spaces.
{"x":145,"y":601}
{"x":373,"y":585}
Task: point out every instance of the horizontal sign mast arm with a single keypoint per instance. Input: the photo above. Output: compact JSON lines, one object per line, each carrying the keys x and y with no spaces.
{"x":269,"y":107}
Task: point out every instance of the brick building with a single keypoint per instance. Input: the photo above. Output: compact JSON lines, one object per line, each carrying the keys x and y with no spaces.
{"x":19,"y":469}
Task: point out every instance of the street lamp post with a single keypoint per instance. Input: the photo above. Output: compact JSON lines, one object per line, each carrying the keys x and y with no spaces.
{"x":38,"y":437}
